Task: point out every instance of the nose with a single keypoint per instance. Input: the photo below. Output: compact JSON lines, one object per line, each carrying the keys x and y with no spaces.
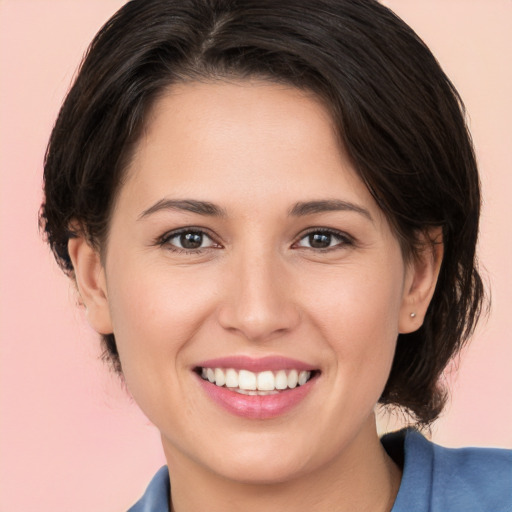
{"x":258,"y":303}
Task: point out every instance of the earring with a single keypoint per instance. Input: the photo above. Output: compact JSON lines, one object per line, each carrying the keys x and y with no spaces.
{"x":413,"y":315}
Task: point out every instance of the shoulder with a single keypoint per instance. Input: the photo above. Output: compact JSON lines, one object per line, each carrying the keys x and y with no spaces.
{"x":156,"y":497}
{"x":480,"y":477}
{"x":439,"y":479}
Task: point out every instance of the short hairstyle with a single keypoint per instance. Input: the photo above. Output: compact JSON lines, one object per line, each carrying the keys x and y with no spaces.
{"x":398,"y":117}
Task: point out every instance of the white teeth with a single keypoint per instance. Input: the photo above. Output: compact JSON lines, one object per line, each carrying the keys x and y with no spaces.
{"x":220,"y":377}
{"x":255,"y":393}
{"x":250,"y":383}
{"x":246,"y":380}
{"x":293,"y":379}
{"x":265,"y":381}
{"x":281,"y":380}
{"x":231,"y":378}
{"x":303,"y":378}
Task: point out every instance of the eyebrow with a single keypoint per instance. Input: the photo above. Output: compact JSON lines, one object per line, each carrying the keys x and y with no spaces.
{"x":300,"y":209}
{"x":327,"y":205}
{"x":188,"y":205}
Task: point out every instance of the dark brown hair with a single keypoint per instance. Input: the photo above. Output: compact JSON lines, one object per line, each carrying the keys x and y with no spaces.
{"x":399,"y":119}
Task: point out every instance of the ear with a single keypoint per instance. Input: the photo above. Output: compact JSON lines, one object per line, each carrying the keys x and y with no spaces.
{"x":91,"y":283}
{"x":420,"y":281}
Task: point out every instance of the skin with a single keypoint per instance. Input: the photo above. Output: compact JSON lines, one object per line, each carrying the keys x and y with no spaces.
{"x":256,"y":288}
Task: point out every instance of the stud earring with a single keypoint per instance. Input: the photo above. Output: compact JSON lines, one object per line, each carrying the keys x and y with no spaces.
{"x":413,"y":315}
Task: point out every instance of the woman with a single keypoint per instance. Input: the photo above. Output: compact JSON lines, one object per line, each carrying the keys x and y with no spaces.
{"x":270,"y":211}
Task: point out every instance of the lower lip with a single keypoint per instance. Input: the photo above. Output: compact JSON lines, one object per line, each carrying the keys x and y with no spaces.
{"x":260,"y":407}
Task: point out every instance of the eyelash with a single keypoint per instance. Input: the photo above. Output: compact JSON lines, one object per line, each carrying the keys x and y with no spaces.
{"x":165,"y":241}
{"x":344,"y":239}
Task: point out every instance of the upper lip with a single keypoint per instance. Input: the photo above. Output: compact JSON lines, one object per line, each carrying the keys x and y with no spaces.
{"x":272,"y":363}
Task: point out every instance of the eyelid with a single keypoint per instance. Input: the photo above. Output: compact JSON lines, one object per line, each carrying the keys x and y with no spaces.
{"x":345,"y":238}
{"x":164,"y":240}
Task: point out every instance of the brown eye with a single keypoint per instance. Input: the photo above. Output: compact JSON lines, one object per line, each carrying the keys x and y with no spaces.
{"x":189,"y":240}
{"x":319,"y":240}
{"x":324,"y":240}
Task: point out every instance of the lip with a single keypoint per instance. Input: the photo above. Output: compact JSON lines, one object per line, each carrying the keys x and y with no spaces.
{"x":257,"y":407}
{"x":254,"y":406}
{"x":272,"y":363}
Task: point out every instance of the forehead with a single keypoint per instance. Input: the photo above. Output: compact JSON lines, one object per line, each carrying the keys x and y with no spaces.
{"x":245,"y":140}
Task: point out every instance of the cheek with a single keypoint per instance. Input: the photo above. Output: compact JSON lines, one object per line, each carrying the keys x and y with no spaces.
{"x":157,"y":311}
{"x":357,"y":297}
{"x":155,"y":315}
{"x":357,"y":311}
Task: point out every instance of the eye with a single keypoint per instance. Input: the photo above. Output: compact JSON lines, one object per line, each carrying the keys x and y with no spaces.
{"x":324,"y":239}
{"x":188,"y":240}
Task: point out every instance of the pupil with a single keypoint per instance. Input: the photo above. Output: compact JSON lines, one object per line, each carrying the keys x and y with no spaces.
{"x":191,"y":240}
{"x":319,"y":240}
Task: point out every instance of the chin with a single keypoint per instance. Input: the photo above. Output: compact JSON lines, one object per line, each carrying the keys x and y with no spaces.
{"x":265,"y":462}
{"x":270,"y":471}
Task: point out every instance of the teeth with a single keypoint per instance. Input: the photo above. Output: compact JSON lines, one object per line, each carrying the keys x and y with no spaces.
{"x":281,"y":380}
{"x":246,"y":380}
{"x":265,"y":381}
{"x":293,"y":379}
{"x":255,"y":393}
{"x":220,"y":377}
{"x":303,"y":378}
{"x":250,"y":383}
{"x":231,"y":378}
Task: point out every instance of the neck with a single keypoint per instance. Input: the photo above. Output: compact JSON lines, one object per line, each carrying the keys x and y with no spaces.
{"x":362,"y":478}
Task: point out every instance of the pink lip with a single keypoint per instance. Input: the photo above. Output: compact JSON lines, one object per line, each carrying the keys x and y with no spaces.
{"x":255,"y":406}
{"x":272,"y":363}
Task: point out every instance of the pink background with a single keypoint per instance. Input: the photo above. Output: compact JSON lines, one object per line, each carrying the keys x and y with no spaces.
{"x":70,"y":439}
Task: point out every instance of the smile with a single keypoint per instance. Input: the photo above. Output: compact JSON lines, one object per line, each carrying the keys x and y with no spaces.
{"x":257,"y":389}
{"x":251,"y":383}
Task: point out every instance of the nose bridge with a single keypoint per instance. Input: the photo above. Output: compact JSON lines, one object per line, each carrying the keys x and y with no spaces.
{"x":259,"y":302}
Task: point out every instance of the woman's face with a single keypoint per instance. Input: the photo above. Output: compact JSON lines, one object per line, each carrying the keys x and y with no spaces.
{"x":243,"y":240}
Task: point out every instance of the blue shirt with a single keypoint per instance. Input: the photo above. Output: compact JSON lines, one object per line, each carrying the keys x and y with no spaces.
{"x":435,"y":479}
